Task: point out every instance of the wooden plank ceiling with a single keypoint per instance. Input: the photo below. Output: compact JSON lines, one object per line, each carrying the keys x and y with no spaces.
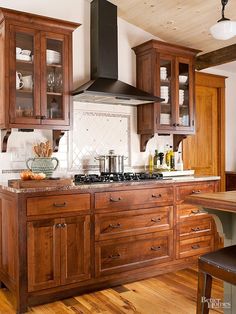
{"x":183,"y":22}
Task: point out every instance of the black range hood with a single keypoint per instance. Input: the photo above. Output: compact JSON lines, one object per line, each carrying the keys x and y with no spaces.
{"x":104,"y":86}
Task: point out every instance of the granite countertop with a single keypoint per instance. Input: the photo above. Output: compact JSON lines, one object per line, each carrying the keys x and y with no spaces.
{"x":104,"y":186}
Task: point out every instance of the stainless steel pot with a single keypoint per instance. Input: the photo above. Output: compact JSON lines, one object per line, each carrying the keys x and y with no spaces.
{"x":111,"y":163}
{"x":103,"y":163}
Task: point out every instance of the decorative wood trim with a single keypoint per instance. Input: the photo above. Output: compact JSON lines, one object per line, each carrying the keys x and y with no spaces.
{"x":5,"y":138}
{"x":177,"y":139}
{"x":216,"y":57}
{"x":56,"y":137}
{"x":144,"y":138}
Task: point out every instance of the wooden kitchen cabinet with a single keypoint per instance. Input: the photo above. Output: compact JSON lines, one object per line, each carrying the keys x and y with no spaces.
{"x":36,"y":76}
{"x":168,"y":71}
{"x":58,"y":251}
{"x":58,"y":244}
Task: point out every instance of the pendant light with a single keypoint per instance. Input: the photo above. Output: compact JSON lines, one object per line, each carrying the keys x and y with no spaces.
{"x":224,"y":28}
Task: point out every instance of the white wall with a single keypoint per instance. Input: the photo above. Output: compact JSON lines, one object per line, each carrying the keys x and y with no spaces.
{"x":230,"y":115}
{"x":128,"y":37}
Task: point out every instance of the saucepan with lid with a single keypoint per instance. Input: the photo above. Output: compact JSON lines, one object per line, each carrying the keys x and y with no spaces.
{"x":111,"y":163}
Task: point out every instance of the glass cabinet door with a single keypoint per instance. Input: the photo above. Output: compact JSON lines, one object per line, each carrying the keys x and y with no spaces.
{"x":166,"y":92}
{"x":24,"y":81}
{"x":184,"y":98}
{"x":55,"y":97}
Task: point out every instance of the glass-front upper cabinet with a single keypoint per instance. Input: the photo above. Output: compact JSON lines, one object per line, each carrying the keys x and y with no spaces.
{"x":24,"y":96}
{"x":184,"y":114}
{"x":166,"y":91}
{"x":167,"y":71}
{"x":55,"y":97}
{"x":40,"y":76}
{"x":175,"y":111}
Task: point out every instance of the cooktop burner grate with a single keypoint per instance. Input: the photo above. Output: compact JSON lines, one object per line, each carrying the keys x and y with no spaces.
{"x":116,"y":177}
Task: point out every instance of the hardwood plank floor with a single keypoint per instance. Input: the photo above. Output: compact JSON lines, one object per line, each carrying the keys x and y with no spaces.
{"x":173,"y":293}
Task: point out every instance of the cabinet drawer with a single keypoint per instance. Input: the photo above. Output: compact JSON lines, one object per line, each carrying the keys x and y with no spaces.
{"x":198,"y":227}
{"x":183,"y":191}
{"x":187,"y":212}
{"x":128,"y":199}
{"x":57,"y":204}
{"x":133,"y":222}
{"x":127,"y":253}
{"x":195,"y":246}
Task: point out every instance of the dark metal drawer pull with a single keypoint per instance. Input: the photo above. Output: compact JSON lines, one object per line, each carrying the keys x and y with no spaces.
{"x":115,"y":199}
{"x":114,"y":256}
{"x":58,"y":225}
{"x":155,"y":248}
{"x":115,"y":226}
{"x":196,"y":229}
{"x":195,"y":246}
{"x":156,"y":196}
{"x":156,"y":219}
{"x":196,"y":191}
{"x":59,"y":205}
{"x":195,"y":212}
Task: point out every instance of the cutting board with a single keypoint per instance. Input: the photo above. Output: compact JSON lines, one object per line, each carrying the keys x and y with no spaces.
{"x":21,"y":184}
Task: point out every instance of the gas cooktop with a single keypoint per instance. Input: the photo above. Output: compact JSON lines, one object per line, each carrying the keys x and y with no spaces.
{"x":115,"y":177}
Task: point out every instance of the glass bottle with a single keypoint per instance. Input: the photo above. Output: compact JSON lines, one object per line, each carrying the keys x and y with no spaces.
{"x":172,"y":158}
{"x":156,"y":160}
{"x":150,"y":163}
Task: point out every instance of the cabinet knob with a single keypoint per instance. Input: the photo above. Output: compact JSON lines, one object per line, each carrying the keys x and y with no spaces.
{"x":196,"y":191}
{"x":156,"y":195}
{"x":43,"y":117}
{"x":155,"y":248}
{"x":114,"y":256}
{"x":195,"y":212}
{"x":58,"y":226}
{"x":115,"y":199}
{"x":115,"y":226}
{"x":156,"y":219}
{"x":195,"y":246}
{"x":59,"y":205}
{"x":64,"y":225}
{"x":196,"y":229}
{"x":174,"y":124}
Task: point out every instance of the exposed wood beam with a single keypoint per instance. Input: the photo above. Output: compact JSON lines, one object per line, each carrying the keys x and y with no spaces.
{"x":216,"y":57}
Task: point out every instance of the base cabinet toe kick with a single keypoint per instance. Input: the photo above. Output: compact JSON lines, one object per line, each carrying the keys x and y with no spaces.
{"x":54,"y":245}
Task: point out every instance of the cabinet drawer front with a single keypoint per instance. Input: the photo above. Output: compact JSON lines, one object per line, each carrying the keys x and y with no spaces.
{"x":133,"y":222}
{"x":183,"y":191}
{"x":189,"y":212}
{"x":127,"y":199}
{"x":195,"y":246}
{"x":133,"y":252}
{"x":198,"y":227}
{"x":57,"y":204}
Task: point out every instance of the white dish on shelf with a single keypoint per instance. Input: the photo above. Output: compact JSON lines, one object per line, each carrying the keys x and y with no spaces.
{"x":23,"y":57}
{"x":183,"y":78}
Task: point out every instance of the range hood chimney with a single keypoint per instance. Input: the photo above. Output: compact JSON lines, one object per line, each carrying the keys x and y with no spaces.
{"x":104,"y":86}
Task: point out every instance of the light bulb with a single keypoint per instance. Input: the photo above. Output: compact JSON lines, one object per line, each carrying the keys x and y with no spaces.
{"x":223,"y":30}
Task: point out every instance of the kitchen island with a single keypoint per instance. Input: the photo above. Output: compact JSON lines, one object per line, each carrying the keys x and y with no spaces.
{"x":58,"y":242}
{"x":222,"y":205}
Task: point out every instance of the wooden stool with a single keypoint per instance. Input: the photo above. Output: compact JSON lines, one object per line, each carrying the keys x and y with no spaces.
{"x":220,"y":264}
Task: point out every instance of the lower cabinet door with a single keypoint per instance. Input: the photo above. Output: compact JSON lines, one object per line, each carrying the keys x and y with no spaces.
{"x":75,"y":249}
{"x":127,"y":253}
{"x":43,"y":248}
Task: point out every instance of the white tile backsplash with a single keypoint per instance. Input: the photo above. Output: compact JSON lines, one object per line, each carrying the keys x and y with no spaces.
{"x":97,"y":128}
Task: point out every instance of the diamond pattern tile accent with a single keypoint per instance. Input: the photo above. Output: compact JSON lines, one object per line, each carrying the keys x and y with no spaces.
{"x":95,"y":133}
